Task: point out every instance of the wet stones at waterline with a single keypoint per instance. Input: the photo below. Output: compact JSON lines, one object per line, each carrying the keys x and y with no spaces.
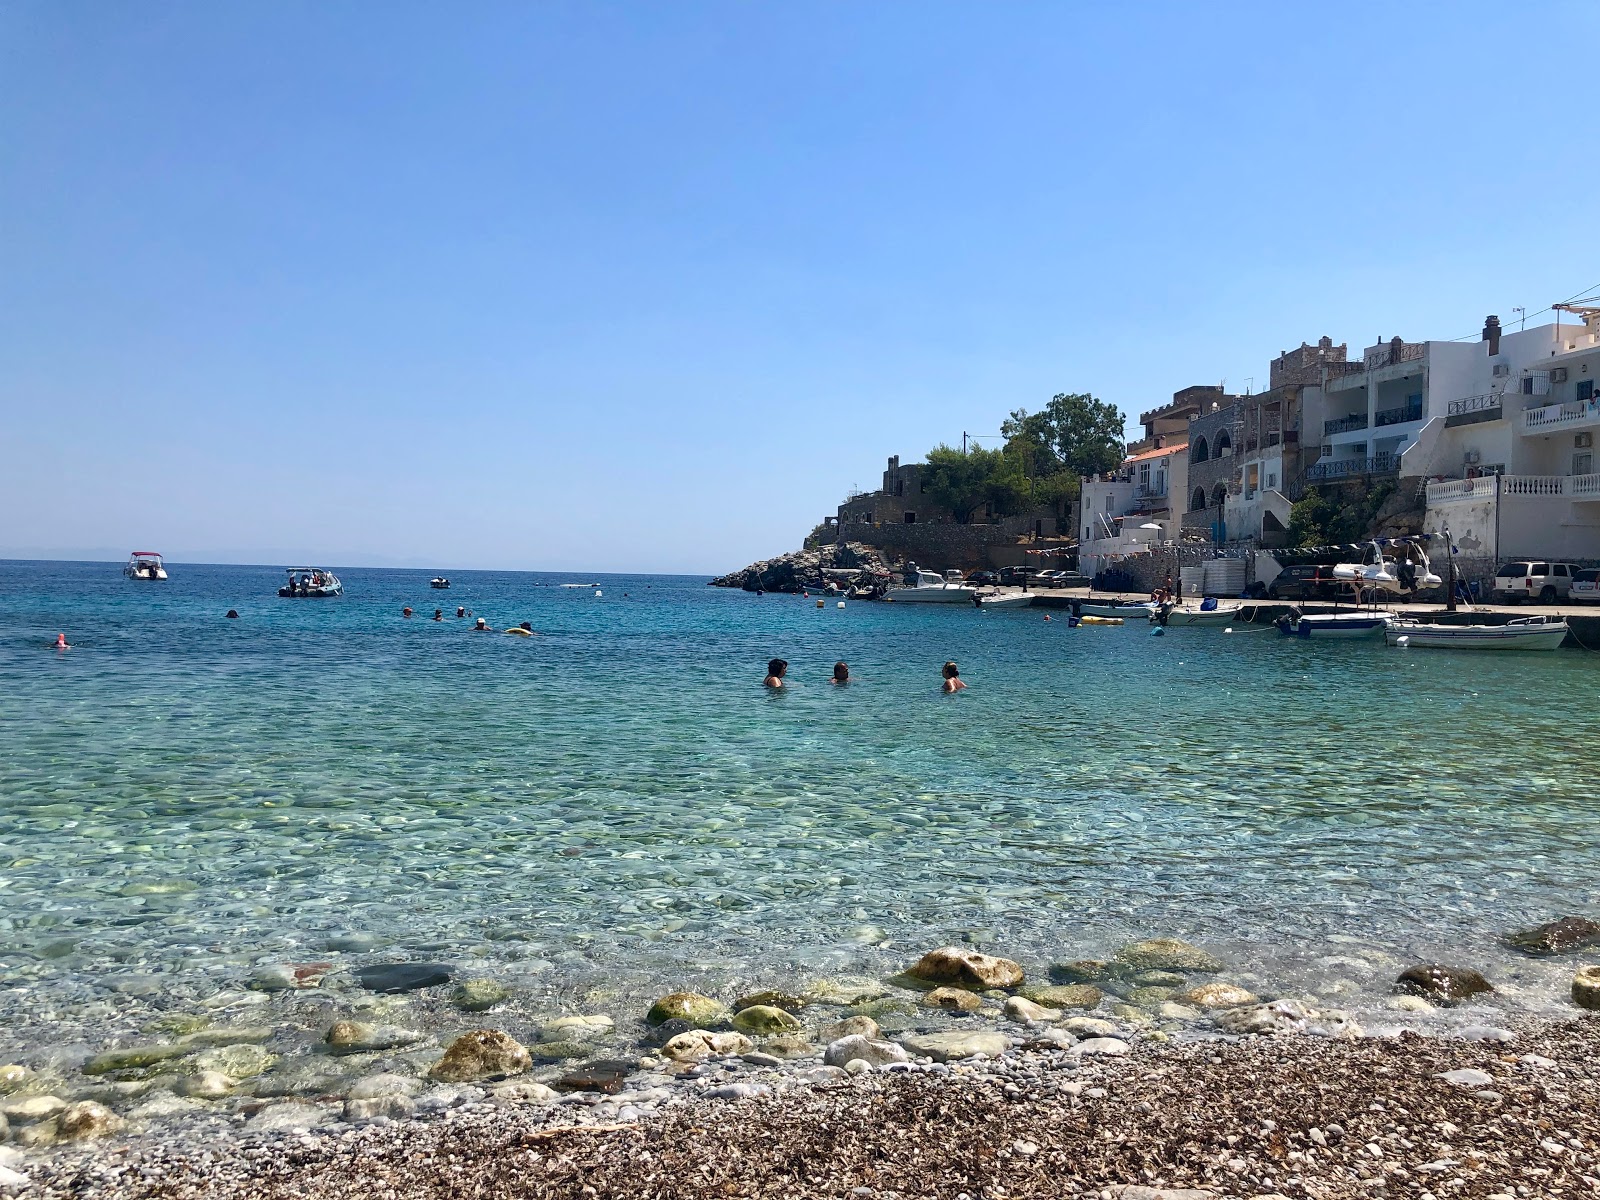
{"x":956,"y":967}
{"x":482,"y":1054}
{"x":357,"y":1037}
{"x":1586,"y":988}
{"x":788,"y":1001}
{"x":942,"y":1047}
{"x":696,"y":1044}
{"x":952,"y":999}
{"x":1556,"y":937}
{"x":392,"y":978}
{"x":857,"y":1048}
{"x":1442,"y":984}
{"x":1064,"y":995}
{"x":702,"y":1012}
{"x":478,"y":995}
{"x":1167,"y":954}
{"x":762,"y":1020}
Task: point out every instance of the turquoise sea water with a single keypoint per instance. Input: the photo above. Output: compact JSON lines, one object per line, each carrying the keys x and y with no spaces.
{"x":617,"y":802}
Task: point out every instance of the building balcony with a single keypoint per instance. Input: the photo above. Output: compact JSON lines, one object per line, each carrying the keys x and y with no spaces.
{"x":1570,"y":487}
{"x":1399,"y":416}
{"x":1470,"y":410}
{"x":1345,"y":424}
{"x":1581,"y":414}
{"x":1331,"y":470}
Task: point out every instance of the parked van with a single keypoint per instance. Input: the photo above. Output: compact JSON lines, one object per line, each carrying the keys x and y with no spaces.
{"x":1545,"y":582}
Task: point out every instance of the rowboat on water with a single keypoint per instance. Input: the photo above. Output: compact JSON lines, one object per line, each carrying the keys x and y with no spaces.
{"x":1173,"y":615}
{"x":1525,"y":633}
{"x":1333,"y":625}
{"x":1138,"y":609}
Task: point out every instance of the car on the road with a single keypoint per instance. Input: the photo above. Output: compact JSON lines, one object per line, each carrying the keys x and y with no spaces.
{"x":1016,"y":576}
{"x":1585,"y":586}
{"x":1546,"y":582}
{"x":1305,"y":581}
{"x":984,"y":578}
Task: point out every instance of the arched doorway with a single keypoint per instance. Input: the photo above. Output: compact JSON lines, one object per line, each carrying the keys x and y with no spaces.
{"x":1199,"y":452}
{"x":1199,"y":500}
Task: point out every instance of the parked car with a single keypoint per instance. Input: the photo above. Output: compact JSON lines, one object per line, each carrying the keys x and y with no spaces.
{"x":1542,"y":581}
{"x":984,"y":578}
{"x":1305,"y":581}
{"x":1016,"y":576}
{"x":1071,"y":579}
{"x":1585,"y":587}
{"x":1049,"y":579}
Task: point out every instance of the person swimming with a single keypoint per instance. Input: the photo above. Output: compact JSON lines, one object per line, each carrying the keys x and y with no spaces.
{"x":61,"y":642}
{"x":841,"y":673}
{"x":233,"y":615}
{"x":461,"y":610}
{"x":438,"y":614}
{"x":775,"y":672}
{"x":526,"y":626}
{"x":405,"y":612}
{"x":482,"y":626}
{"x":952,"y":678}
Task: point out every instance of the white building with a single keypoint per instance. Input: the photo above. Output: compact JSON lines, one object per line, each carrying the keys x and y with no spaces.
{"x":1511,"y":464}
{"x":1117,"y":512}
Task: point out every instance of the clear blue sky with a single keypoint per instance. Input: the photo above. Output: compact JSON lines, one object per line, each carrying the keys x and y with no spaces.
{"x":614,"y":286}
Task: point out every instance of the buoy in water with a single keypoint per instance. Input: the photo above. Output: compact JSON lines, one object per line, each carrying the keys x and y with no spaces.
{"x":597,"y":593}
{"x":1158,"y":631}
{"x":1403,"y":640}
{"x":821,"y":603}
{"x":841,"y":604}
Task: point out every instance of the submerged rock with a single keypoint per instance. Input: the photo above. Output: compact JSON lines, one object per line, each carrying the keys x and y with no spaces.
{"x":1442,"y":984}
{"x":236,"y":1062}
{"x":21,"y":1109}
{"x":1556,"y":937}
{"x":132,"y":1058}
{"x":700,"y":1011}
{"x":208,"y":1085}
{"x":1083,"y":970}
{"x":1167,"y":954}
{"x":788,"y":1047}
{"x":844,"y":992}
{"x":1215,"y":995}
{"x":86,"y":1120}
{"x":606,"y":1076}
{"x":291,"y":1116}
{"x":478,"y":995}
{"x":763,"y":1020}
{"x":788,"y":1001}
{"x":863,"y":1025}
{"x":481,"y":1054}
{"x":1277,"y":1016}
{"x":373,"y":1086}
{"x":284,"y":977}
{"x":966,"y":969}
{"x":942,"y":1047}
{"x":1019,"y":1008}
{"x":356,"y":1037}
{"x":1091,"y":1027}
{"x":14,"y":1076}
{"x":1586,"y":988}
{"x":1064,"y":995}
{"x":952,"y":1000}
{"x":391,"y":978}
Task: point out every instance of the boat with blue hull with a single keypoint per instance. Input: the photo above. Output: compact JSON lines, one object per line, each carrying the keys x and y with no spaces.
{"x":1294,"y":623}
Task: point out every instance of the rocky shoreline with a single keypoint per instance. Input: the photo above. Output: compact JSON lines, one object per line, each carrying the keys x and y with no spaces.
{"x":802,"y":569}
{"x":136,"y":1119}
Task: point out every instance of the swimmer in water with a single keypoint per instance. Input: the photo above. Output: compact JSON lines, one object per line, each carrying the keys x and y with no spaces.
{"x":482,"y":626}
{"x":438,"y":614}
{"x":61,"y":642}
{"x":526,"y":626}
{"x":952,"y":678}
{"x":461,"y":610}
{"x":232,"y":615}
{"x":775,"y":673}
{"x":841,"y":674}
{"x":405,"y":612}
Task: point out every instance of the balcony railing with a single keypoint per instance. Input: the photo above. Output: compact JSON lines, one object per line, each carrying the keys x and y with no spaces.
{"x":1331,"y":469}
{"x":1399,"y":416}
{"x":1468,"y":405}
{"x":1344,"y":424}
{"x":1576,"y":487}
{"x":1559,"y":416}
{"x":1387,"y":353}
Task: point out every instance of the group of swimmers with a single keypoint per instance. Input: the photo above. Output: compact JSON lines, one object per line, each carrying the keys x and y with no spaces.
{"x":778,"y":668}
{"x":480,"y":625}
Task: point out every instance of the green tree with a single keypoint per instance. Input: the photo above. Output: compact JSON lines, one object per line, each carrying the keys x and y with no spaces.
{"x":1074,"y":433}
{"x":964,"y":483}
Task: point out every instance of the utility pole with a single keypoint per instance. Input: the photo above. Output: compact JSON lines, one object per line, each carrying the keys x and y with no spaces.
{"x":1523,"y":318}
{"x":963,"y":441}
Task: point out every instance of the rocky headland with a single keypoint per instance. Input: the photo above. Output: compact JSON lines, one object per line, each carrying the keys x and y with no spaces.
{"x":802,"y":569}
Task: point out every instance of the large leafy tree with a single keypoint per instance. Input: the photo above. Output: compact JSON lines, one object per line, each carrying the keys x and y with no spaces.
{"x":963,"y":483}
{"x":1073,"y":434}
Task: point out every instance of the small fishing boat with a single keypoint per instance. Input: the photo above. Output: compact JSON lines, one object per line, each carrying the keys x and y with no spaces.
{"x":311,"y":583}
{"x":1333,"y":625}
{"x":1525,"y":633}
{"x":145,"y":564}
{"x":579,"y":585}
{"x":1174,"y":615}
{"x":439,"y":582}
{"x":1137,"y":609}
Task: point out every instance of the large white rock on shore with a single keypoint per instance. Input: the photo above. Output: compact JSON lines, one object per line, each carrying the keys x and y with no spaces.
{"x":942,"y":1047}
{"x":960,"y":968}
{"x":482,"y":1054}
{"x":858,"y":1046}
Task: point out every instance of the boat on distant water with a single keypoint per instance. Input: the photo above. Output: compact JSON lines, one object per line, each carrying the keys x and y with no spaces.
{"x":1525,"y":633}
{"x":439,"y":581}
{"x":311,"y":583}
{"x":145,"y":564}
{"x":1191,"y":614}
{"x":1004,"y":599}
{"x":934,"y":589}
{"x":1333,"y":625}
{"x":578,"y":585}
{"x":1114,"y":608}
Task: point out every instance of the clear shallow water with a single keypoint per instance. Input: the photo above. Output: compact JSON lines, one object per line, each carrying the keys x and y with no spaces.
{"x":617,"y":803}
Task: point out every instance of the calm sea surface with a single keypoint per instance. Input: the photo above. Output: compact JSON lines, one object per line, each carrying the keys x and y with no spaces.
{"x":617,"y":804}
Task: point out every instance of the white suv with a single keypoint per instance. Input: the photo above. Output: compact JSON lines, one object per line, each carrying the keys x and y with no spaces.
{"x":1545,"y":582}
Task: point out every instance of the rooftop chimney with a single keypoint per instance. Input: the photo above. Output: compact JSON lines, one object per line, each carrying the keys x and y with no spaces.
{"x":1491,"y":334}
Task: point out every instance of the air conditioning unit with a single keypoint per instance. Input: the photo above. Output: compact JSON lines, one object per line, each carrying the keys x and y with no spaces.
{"x":1502,"y":368}
{"x":1472,"y":456}
{"x":1583,"y":440}
{"x":1558,"y":375}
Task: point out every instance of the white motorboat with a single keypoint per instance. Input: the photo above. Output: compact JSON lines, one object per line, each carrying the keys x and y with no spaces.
{"x":145,"y":564}
{"x":987,"y":600}
{"x":1408,"y":572}
{"x":1195,"y":614}
{"x":1333,"y":625}
{"x":933,"y":589}
{"x":311,"y":583}
{"x":1526,"y":633}
{"x":439,"y":581}
{"x":1114,"y":608}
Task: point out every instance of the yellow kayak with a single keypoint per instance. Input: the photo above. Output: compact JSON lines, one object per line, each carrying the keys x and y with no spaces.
{"x":529,"y":632}
{"x":1101,"y":621}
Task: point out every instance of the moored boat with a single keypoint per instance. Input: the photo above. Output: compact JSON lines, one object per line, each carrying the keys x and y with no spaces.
{"x":1114,"y":608}
{"x":311,"y":583}
{"x":439,"y":581}
{"x":1333,"y":625}
{"x":1190,"y":614}
{"x":1525,"y":633}
{"x":145,"y":564}
{"x":1004,"y":599}
{"x":933,"y":589}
